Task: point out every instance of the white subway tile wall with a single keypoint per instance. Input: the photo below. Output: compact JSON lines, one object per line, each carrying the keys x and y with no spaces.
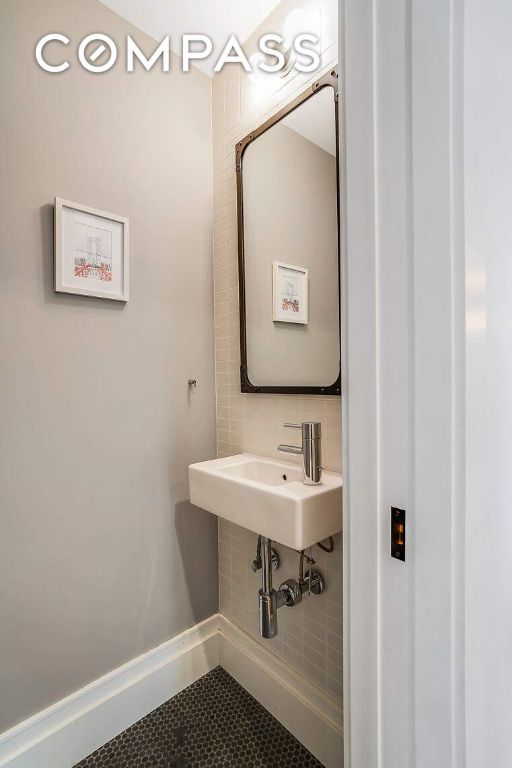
{"x":310,"y":634}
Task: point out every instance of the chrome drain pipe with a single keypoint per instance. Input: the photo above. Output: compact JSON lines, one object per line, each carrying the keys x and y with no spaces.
{"x":269,"y":599}
{"x":289,"y":593}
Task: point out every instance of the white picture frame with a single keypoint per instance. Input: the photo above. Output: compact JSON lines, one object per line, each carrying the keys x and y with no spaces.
{"x":91,"y":251}
{"x":289,"y":293}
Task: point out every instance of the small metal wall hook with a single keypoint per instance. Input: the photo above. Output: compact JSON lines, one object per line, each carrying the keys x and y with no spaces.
{"x":192,"y":383}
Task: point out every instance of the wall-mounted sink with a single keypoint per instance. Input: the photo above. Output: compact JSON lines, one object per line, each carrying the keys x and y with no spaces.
{"x":269,"y":498}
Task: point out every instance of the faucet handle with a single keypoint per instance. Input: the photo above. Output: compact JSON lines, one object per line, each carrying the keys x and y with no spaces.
{"x":311,"y":430}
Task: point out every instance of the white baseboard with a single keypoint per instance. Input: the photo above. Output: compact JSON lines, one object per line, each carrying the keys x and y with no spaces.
{"x":313,"y":717}
{"x":68,"y":731}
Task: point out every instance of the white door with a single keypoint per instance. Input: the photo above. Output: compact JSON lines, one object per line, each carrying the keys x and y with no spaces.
{"x":488,"y":445}
{"x":427,"y":305}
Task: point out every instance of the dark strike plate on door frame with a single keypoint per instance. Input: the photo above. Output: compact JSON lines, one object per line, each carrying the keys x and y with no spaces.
{"x":398,"y":533}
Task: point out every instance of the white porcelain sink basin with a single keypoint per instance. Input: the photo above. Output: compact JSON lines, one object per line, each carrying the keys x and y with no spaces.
{"x":268,"y":497}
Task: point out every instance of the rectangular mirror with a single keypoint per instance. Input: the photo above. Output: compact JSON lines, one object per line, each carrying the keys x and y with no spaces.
{"x":288,"y":247}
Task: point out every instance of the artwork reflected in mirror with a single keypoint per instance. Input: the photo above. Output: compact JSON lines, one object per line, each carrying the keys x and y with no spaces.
{"x":290,"y":292}
{"x":287,"y":174}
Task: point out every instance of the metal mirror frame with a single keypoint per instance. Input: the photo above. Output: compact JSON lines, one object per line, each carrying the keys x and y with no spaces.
{"x":329,"y":80}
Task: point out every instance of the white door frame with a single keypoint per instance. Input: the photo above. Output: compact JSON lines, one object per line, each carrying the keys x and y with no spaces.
{"x":359,"y":378}
{"x":403,"y":381}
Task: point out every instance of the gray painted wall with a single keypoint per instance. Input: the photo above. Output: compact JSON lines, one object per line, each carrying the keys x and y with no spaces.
{"x":101,"y":554}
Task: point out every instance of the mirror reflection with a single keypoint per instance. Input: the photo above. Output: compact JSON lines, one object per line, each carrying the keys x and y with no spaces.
{"x":289,"y":251}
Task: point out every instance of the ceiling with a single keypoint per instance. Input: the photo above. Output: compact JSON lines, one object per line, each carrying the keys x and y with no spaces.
{"x":315,"y":120}
{"x":217,"y":18}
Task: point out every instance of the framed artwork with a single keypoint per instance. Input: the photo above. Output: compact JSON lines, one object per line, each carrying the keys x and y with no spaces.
{"x":290,"y":293}
{"x":91,"y":252}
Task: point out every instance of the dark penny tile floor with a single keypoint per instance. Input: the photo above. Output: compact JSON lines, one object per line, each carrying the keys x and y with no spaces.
{"x":213,"y":722}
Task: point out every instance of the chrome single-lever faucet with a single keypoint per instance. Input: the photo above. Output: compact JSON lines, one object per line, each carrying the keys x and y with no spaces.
{"x":311,"y":451}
